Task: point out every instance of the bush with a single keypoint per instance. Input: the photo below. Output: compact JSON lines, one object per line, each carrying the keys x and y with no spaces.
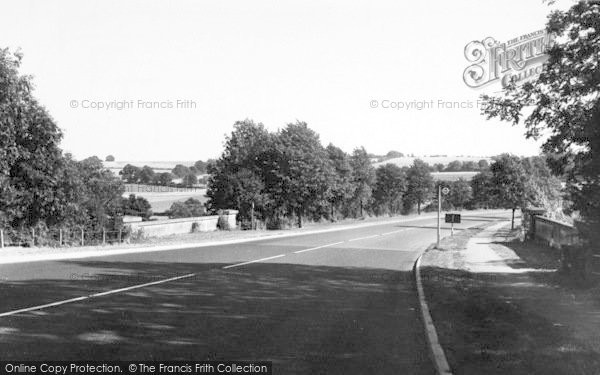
{"x":190,"y":208}
{"x":223,"y":222}
{"x":279,"y":222}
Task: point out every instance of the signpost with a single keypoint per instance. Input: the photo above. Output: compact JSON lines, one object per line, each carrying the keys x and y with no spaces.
{"x":452,"y":218}
{"x":445,"y":190}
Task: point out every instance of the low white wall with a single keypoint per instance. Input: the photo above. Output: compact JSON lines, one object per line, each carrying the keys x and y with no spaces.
{"x":181,"y":226}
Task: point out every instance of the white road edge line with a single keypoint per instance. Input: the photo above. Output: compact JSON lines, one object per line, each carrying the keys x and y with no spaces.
{"x":253,"y":261}
{"x":364,"y":238}
{"x":83,"y":298}
{"x":318,"y":247}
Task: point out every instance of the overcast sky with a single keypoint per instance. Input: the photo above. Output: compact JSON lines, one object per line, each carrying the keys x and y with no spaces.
{"x":276,"y":61}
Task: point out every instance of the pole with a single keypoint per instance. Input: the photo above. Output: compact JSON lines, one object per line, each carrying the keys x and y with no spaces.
{"x":33,"y":236}
{"x":252,"y":219}
{"x":438,"y":214}
{"x":60,"y":237}
{"x":103,"y":236}
{"x":1,"y":239}
{"x":82,"y":237}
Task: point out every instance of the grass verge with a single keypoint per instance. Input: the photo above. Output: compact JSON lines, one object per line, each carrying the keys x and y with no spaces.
{"x":510,"y":323}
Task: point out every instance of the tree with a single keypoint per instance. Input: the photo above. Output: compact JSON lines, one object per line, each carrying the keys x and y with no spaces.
{"x":308,"y":172}
{"x":481,"y":187}
{"x":146,"y":175}
{"x":389,"y":189}
{"x":454,"y":166}
{"x":100,"y":192}
{"x":420,"y":184}
{"x":30,"y":157}
{"x":483,"y":164}
{"x":394,"y":154}
{"x":163,"y":179}
{"x":136,"y":206}
{"x":509,"y":184}
{"x":180,"y":171}
{"x":460,"y":194}
{"x":342,"y":189}
{"x":110,"y":158}
{"x":469,"y":166}
{"x":39,"y":186}
{"x":363,"y":178}
{"x":438,"y":167}
{"x":190,"y":180}
{"x":544,"y":189}
{"x":564,"y":102}
{"x":246,"y":172}
{"x":130,"y":173}
{"x":201,"y":166}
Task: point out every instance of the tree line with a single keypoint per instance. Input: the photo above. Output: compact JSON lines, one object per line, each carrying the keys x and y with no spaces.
{"x":285,"y":177}
{"x":146,"y":175}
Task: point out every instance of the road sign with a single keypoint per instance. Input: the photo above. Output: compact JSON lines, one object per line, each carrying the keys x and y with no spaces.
{"x":453,"y":218}
{"x":445,"y":190}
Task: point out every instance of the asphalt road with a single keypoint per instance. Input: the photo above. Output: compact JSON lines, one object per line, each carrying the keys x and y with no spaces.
{"x":341,"y":302}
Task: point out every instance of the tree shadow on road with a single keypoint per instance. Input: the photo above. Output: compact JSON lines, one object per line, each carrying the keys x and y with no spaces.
{"x":306,"y":319}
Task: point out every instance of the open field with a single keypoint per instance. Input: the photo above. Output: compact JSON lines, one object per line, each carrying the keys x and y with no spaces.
{"x":453,"y":176}
{"x":162,"y":201}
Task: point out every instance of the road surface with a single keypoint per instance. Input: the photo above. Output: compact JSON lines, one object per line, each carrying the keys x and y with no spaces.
{"x":340,"y":302}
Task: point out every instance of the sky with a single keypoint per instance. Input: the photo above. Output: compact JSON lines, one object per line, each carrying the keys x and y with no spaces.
{"x":166,"y":80}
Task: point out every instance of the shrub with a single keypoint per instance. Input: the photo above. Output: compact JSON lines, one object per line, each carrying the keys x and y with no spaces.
{"x":223,"y":222}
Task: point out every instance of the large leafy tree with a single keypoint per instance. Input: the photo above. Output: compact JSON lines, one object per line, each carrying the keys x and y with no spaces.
{"x":460,"y":194}
{"x":306,"y":170}
{"x":509,"y":188}
{"x":389,"y":189}
{"x":246,"y":172}
{"x":363,"y":178}
{"x":30,"y":157}
{"x":342,"y":188}
{"x":101,"y":192}
{"x":420,"y":184}
{"x":146,"y":174}
{"x":564,"y":102}
{"x":181,"y":171}
{"x":130,"y":173}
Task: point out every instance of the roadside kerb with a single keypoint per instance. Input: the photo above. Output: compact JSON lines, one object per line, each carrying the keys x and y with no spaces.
{"x":435,"y":348}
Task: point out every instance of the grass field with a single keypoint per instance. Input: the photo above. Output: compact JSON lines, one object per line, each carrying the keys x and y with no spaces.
{"x":162,"y":201}
{"x":453,"y":176}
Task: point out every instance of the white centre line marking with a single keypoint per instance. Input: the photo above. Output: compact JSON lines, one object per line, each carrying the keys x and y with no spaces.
{"x":364,"y":238}
{"x":114,"y":291}
{"x":396,"y":231}
{"x":318,"y":247}
{"x":253,"y":261}
{"x":83,"y":298}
